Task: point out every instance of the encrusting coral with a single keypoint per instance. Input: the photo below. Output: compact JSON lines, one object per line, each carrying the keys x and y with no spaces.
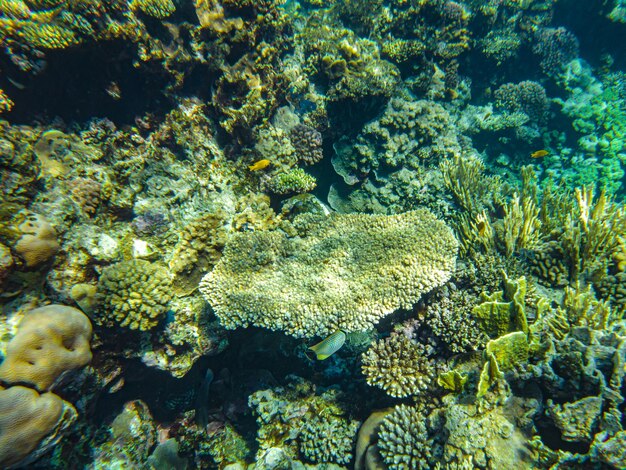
{"x":341,"y":272}
{"x":133,"y":294}
{"x":398,"y":366}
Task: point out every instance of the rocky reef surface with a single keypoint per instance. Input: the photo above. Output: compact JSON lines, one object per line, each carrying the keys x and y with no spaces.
{"x":353,"y":234}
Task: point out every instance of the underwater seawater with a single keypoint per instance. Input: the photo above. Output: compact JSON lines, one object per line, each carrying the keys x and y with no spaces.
{"x":314,"y":234}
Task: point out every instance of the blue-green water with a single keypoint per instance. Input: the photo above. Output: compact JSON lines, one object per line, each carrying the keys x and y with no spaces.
{"x":365,"y":234}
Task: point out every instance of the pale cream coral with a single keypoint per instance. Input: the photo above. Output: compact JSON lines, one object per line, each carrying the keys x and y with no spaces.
{"x":50,"y":340}
{"x":29,"y":421}
{"x":343,"y":271}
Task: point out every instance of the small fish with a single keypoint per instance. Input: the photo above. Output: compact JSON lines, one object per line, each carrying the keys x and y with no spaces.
{"x":539,"y":154}
{"x":202,"y":400}
{"x":260,"y":165}
{"x":329,"y":346}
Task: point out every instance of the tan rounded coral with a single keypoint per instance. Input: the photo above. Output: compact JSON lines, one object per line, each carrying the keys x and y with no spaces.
{"x":50,"y":340}
{"x":38,"y":242}
{"x":28,"y":420}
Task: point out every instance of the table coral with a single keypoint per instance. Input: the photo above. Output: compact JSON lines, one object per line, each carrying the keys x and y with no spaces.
{"x":398,"y":366}
{"x":133,"y":294}
{"x":342,"y":272}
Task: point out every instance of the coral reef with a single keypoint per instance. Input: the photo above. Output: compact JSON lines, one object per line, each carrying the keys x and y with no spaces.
{"x":164,"y":166}
{"x":341,"y":272}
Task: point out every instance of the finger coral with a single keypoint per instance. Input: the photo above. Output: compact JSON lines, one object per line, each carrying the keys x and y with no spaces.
{"x":398,"y":366}
{"x":406,"y":441}
{"x":133,"y":294}
{"x":343,"y":271}
{"x":328,"y":439}
{"x":50,"y":340}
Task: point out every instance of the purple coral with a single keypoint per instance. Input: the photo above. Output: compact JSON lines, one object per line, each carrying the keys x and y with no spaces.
{"x":527,"y":96}
{"x":308,"y":143}
{"x":150,"y":223}
{"x":555,"y":48}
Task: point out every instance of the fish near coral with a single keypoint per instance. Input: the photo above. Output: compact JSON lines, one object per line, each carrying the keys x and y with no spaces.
{"x":329,"y":346}
{"x":539,"y":154}
{"x":260,"y":165}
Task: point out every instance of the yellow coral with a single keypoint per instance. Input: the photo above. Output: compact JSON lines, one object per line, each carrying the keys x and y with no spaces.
{"x":46,"y":35}
{"x":50,"y":340}
{"x":5,"y":102}
{"x":28,"y":418}
{"x":156,"y":8}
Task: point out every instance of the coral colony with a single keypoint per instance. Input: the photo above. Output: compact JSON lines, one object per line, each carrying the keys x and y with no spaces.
{"x":312,"y":234}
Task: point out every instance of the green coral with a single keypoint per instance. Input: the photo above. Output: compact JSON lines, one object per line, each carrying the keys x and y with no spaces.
{"x":133,"y":294}
{"x":452,"y":380}
{"x":509,"y":350}
{"x":292,"y":181}
{"x":503,"y":311}
{"x":342,"y":271}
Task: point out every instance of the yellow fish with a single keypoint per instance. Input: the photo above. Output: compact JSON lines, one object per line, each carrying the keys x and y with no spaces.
{"x":260,"y":165}
{"x":329,"y":346}
{"x":539,"y":154}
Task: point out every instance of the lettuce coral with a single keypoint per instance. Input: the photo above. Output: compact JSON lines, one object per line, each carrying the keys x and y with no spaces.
{"x":340,"y":272}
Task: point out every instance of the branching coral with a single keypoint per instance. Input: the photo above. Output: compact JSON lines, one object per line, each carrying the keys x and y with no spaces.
{"x":409,"y":438}
{"x":341,"y":272}
{"x":328,"y":439}
{"x":133,"y":294}
{"x":398,"y":366}
{"x":292,"y":181}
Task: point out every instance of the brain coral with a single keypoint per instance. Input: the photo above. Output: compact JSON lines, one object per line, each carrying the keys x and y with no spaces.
{"x":29,"y":421}
{"x":398,"y":366}
{"x":342,"y":271}
{"x":50,"y":340}
{"x":133,"y":294}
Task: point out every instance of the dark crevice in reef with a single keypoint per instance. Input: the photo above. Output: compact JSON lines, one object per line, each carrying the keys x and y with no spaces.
{"x":84,"y":83}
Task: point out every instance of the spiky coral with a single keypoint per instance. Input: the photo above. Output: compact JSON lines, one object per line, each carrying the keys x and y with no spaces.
{"x":398,"y":366}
